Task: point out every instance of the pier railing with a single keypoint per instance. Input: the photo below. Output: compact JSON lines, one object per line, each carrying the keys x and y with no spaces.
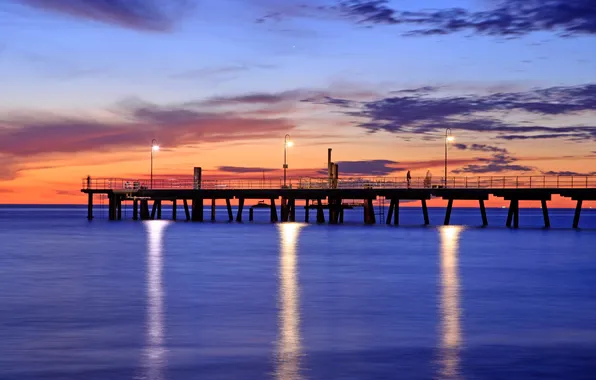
{"x":480,"y":182}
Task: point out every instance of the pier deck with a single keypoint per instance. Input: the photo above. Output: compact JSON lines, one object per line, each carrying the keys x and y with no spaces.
{"x":323,"y":194}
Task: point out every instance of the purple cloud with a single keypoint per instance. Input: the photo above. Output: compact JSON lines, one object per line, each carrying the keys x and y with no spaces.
{"x":510,"y":18}
{"x":146,"y":15}
{"x":423,"y":112}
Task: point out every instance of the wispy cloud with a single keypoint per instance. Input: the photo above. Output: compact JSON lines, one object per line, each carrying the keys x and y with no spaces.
{"x":175,"y":126}
{"x":510,"y":18}
{"x":146,"y":15}
{"x":423,"y":111}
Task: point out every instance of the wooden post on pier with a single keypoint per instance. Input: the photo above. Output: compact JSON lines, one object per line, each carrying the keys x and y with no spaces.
{"x":292,"y":205}
{"x":369,"y":212}
{"x":145,"y":210}
{"x":510,"y":213}
{"x":333,"y":216}
{"x":390,"y":212}
{"x":111,"y":213}
{"x":251,"y":214}
{"x":483,"y":213}
{"x":425,"y":213}
{"x":320,"y":213}
{"x":174,"y":210}
{"x":135,"y":209}
{"x":341,"y":214}
{"x":159,"y":210}
{"x":448,"y":212}
{"x":273,"y":211}
{"x":230,"y":213}
{"x":119,"y":207}
{"x":284,"y":209}
{"x":545,"y":214}
{"x":240,"y":208}
{"x":307,"y":211}
{"x":186,"y":211}
{"x":516,"y":214}
{"x":213,"y":210}
{"x":90,"y":207}
{"x":197,"y":210}
{"x":578,"y":211}
{"x":153,"y":210}
{"x":396,"y":213}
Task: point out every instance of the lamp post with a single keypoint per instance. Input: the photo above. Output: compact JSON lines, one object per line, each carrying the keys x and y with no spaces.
{"x":154,"y":148}
{"x":448,"y":138}
{"x":287,"y":144}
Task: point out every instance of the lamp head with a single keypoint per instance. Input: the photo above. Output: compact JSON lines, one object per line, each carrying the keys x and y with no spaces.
{"x":450,"y":138}
{"x":155,"y":148}
{"x":290,"y":144}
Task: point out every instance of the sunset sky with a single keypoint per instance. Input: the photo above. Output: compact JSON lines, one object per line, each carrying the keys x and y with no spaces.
{"x":87,"y":84}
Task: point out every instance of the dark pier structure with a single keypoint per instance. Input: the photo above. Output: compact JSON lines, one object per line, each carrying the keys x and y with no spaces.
{"x":328,"y":197}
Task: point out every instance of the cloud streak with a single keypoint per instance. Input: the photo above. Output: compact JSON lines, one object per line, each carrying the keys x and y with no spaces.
{"x":423,"y":112}
{"x":143,"y":15}
{"x":174,"y":126}
{"x":509,"y":18}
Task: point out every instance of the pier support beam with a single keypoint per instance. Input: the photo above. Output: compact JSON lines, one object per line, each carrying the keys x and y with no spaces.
{"x":273,"y":211}
{"x":119,"y":207}
{"x":153,"y":210}
{"x":292,"y":205}
{"x":425,"y":212}
{"x":510,"y":214}
{"x":545,"y":214}
{"x":174,"y":210}
{"x":213,"y":210}
{"x":283,"y":209}
{"x":320,"y":213}
{"x":145,"y":210}
{"x":240,"y":208}
{"x":159,"y":210}
{"x":307,"y":211}
{"x":251,"y":214}
{"x":230,"y":213}
{"x":334,"y":210}
{"x":369,"y":212}
{"x":90,"y":207}
{"x":135,"y":209}
{"x":186,"y":211}
{"x":198,"y":210}
{"x":448,"y":212}
{"x":483,"y":213}
{"x":513,"y":214}
{"x":578,"y":211}
{"x":390,"y":212}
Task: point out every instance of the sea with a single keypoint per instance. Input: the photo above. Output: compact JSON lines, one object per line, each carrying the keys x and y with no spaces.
{"x":162,"y":300}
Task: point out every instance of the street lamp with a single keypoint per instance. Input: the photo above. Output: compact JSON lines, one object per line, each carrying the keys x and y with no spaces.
{"x":448,"y":138}
{"x":287,"y":144}
{"x":154,"y":148}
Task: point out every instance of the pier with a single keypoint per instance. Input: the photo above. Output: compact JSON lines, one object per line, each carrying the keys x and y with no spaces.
{"x":329,"y":197}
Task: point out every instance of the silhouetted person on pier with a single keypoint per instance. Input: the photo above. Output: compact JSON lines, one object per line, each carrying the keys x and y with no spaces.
{"x":409,"y":179}
{"x":88,"y":182}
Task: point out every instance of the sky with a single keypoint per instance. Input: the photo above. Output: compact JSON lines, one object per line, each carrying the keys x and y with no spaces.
{"x":86,"y":86}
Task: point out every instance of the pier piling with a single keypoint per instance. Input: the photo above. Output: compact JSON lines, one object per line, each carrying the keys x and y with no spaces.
{"x":483,"y":213}
{"x":578,"y":211}
{"x":186,"y":211}
{"x":229,"y":207}
{"x":240,"y":208}
{"x":545,"y":214}
{"x":425,"y":212}
{"x":90,"y":207}
{"x":174,"y":210}
{"x":448,"y":212}
{"x":135,"y":209}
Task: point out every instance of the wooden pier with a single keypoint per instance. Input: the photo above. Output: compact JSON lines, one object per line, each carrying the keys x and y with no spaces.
{"x":323,"y":194}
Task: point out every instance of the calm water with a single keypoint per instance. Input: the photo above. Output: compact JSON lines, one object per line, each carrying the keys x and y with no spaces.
{"x":159,"y":300}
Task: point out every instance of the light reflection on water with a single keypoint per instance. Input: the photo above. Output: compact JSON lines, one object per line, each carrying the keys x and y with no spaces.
{"x":289,"y":342}
{"x":450,"y":311}
{"x":154,"y":351}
